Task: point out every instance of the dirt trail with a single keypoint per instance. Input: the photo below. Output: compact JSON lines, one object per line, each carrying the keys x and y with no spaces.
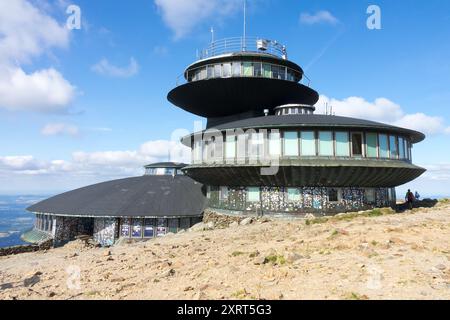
{"x":400,"y":256}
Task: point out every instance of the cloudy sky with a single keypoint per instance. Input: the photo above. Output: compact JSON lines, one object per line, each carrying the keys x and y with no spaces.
{"x":87,"y":105}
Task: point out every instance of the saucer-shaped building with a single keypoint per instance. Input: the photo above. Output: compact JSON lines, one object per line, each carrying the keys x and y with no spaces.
{"x":162,"y":201}
{"x":265,"y":150}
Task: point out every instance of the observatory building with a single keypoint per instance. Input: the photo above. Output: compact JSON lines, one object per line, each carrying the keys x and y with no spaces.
{"x":265,"y":150}
{"x":162,"y":201}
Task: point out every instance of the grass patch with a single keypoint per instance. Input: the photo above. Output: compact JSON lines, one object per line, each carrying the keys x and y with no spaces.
{"x":356,"y":296}
{"x":275,"y":259}
{"x":240,"y":294}
{"x":350,"y":216}
{"x":237,"y":253}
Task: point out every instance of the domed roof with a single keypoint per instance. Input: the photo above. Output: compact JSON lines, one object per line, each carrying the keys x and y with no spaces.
{"x":146,"y":196}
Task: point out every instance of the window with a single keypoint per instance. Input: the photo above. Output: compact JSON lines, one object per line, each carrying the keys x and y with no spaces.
{"x":217,"y":71}
{"x":267,"y":70}
{"x":223,"y":193}
{"x":256,"y":145}
{"x":136,"y":231}
{"x":173,"y":225}
{"x":308,"y":143}
{"x":401,"y":147}
{"x":326,"y":143}
{"x":357,"y":145}
{"x":161,"y":229}
{"x":371,"y":140}
{"x":393,"y":147}
{"x":370,"y":195}
{"x":293,"y":194}
{"x":257,"y":69}
{"x":248,"y":69}
{"x":333,"y":195}
{"x":230,"y":147}
{"x":202,"y":74}
{"x":125,"y":229}
{"x":274,"y":144}
{"x":253,"y":195}
{"x":236,"y":69}
{"x":210,"y":72}
{"x":384,"y":151}
{"x":227,"y":70}
{"x":291,"y":144}
{"x":149,"y":228}
{"x":342,"y":144}
{"x":407,"y":150}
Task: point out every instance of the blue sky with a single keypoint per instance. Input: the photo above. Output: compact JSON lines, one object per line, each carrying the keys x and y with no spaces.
{"x":83,"y":106}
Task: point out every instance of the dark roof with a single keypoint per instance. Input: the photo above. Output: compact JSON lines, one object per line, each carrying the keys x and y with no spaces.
{"x":149,"y":196}
{"x":320,"y":121}
{"x":221,"y":97}
{"x":176,"y":165}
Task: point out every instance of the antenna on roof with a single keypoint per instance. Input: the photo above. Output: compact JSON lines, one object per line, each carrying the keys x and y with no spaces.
{"x":244,"y":45}
{"x":212,"y":34}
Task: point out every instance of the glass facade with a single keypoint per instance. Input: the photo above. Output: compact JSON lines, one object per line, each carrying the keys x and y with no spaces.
{"x":244,"y":69}
{"x":342,"y":144}
{"x":253,"y":195}
{"x":393,"y":151}
{"x":308,"y":143}
{"x":371,"y":141}
{"x":326,"y":143}
{"x":293,"y":144}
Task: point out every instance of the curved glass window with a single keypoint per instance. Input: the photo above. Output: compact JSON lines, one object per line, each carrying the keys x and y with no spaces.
{"x":308,"y":144}
{"x":230,"y":147}
{"x":248,"y":69}
{"x":342,"y":144}
{"x":371,"y":141}
{"x":226,"y":70}
{"x":267,"y":70}
{"x":274,"y":144}
{"x":401,"y":147}
{"x":357,"y":142}
{"x":384,"y":150}
{"x":393,"y":147}
{"x":326,"y":143}
{"x":236,"y":69}
{"x":291,"y":144}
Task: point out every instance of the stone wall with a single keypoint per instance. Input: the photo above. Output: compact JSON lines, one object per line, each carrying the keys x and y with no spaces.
{"x":274,"y":200}
{"x":26,"y":249}
{"x":68,"y":228}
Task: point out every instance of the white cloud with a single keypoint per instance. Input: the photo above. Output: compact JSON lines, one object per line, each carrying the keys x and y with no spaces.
{"x":104,"y":67}
{"x":55,"y":129}
{"x":41,"y":91}
{"x":324,"y":17}
{"x":383,"y":110}
{"x":183,"y":16}
{"x":102,"y":164}
{"x":26,"y":32}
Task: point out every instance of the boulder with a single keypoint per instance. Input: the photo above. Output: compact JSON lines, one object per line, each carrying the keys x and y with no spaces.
{"x":246,"y":221}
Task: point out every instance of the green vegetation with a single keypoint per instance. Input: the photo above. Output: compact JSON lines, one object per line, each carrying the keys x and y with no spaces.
{"x":275,"y":259}
{"x":350,"y":216}
{"x":237,"y":253}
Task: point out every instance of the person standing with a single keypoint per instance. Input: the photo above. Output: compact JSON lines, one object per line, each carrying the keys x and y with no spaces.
{"x":409,"y":199}
{"x":417,"y":196}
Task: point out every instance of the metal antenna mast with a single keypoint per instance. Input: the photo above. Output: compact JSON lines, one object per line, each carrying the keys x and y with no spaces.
{"x":244,"y":47}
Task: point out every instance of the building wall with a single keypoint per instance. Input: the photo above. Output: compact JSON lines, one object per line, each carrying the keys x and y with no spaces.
{"x":67,"y":228}
{"x":275,"y":200}
{"x":106,"y":231}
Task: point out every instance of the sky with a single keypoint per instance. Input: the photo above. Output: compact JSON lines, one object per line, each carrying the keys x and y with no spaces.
{"x":89,"y":104}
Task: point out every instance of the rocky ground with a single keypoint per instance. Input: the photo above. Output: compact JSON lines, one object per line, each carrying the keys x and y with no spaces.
{"x":373,"y":255}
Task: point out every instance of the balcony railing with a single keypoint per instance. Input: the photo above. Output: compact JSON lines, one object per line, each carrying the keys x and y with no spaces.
{"x":248,"y":44}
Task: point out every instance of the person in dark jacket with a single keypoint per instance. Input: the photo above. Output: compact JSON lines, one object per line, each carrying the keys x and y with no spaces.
{"x":409,"y":199}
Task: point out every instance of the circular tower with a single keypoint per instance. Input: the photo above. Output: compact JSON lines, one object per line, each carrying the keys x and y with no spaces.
{"x":264,"y":150}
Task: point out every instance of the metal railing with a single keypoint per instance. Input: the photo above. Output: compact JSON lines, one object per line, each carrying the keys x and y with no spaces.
{"x":248,"y":44}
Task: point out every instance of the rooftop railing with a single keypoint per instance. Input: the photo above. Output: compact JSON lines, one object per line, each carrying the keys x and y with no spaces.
{"x":248,"y":44}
